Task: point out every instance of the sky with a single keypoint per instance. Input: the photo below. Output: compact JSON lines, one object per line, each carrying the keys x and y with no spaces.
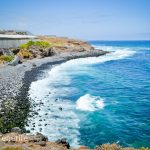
{"x":82,"y":19}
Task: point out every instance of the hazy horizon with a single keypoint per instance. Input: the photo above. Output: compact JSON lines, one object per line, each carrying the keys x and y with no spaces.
{"x":86,"y":19}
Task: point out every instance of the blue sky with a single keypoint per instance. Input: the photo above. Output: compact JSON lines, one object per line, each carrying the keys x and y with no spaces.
{"x":83,"y":19}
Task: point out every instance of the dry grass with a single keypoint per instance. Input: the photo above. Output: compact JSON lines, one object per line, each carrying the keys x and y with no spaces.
{"x":59,"y":41}
{"x":115,"y":146}
{"x":65,"y":44}
{"x":12,"y":148}
{"x":25,"y":53}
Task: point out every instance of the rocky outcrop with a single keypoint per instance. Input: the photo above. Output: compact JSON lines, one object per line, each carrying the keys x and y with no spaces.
{"x":56,"y":46}
{"x":48,"y":46}
{"x":63,"y":142}
{"x":38,"y":52}
{"x":61,"y":45}
{"x":83,"y":54}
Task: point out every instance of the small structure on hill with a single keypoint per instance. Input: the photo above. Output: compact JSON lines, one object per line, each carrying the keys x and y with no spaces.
{"x":13,"y":38}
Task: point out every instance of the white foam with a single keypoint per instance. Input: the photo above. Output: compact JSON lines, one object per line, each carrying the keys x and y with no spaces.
{"x":56,"y":124}
{"x":114,"y":48}
{"x":90,"y":103}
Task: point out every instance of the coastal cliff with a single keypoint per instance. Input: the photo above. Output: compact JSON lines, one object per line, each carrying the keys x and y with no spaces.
{"x":45,"y":46}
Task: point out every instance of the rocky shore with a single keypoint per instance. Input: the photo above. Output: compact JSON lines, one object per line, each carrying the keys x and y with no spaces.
{"x":51,"y":50}
{"x":11,"y":77}
{"x":14,"y":85}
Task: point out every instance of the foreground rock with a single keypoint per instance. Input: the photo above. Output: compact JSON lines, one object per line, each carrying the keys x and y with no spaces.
{"x":16,"y":141}
{"x":16,"y":60}
{"x":16,"y":130}
{"x":63,"y":142}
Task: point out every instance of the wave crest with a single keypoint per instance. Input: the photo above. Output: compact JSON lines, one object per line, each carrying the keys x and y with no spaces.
{"x":90,"y":103}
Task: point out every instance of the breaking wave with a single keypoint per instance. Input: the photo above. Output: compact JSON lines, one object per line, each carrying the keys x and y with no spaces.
{"x":90,"y":103}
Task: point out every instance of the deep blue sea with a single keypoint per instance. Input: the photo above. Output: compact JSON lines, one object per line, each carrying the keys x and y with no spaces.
{"x":98,"y":100}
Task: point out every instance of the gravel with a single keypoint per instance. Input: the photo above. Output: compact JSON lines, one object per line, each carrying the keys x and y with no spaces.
{"x":15,"y":82}
{"x":11,"y":77}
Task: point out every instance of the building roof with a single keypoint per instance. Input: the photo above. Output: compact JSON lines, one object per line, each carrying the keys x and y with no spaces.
{"x":6,"y":36}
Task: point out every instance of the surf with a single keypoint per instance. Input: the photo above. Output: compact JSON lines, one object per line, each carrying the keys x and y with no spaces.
{"x":53,"y":93}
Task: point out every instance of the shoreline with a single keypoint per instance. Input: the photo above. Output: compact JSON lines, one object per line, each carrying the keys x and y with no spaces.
{"x":29,"y":72}
{"x":15,"y":83}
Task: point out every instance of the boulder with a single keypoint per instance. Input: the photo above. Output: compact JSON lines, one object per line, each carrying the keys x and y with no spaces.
{"x":7,"y":51}
{"x":38,"y":52}
{"x":34,"y":65}
{"x":47,"y":52}
{"x":16,"y":60}
{"x":16,"y":51}
{"x":16,"y":130}
{"x":41,"y":143}
{"x":41,"y":136}
{"x":1,"y":52}
{"x":39,"y":139}
{"x":63,"y":142}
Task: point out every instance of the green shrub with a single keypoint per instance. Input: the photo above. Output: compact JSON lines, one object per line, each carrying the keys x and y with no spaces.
{"x":42,"y":44}
{"x":27,"y":45}
{"x":6,"y":58}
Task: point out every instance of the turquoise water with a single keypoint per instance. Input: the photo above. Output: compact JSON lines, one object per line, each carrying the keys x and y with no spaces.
{"x":104,"y":99}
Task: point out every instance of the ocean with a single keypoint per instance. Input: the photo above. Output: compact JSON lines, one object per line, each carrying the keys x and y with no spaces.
{"x":96,"y":100}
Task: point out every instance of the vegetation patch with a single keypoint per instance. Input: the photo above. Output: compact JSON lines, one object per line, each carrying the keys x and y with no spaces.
{"x":13,"y":115}
{"x":12,"y":148}
{"x":6,"y":58}
{"x":36,"y":49}
{"x":41,"y":44}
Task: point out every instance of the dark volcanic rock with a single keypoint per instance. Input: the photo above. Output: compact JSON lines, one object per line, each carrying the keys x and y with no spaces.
{"x":38,"y":52}
{"x":60,"y":108}
{"x":41,"y":143}
{"x":63,"y":142}
{"x":16,"y":51}
{"x":16,"y":130}
{"x":1,"y":52}
{"x":41,"y":137}
{"x":16,"y":60}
